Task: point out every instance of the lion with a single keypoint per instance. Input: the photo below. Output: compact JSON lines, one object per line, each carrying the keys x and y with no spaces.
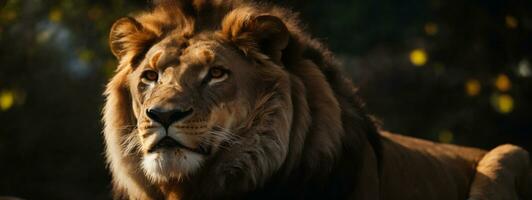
{"x":232,"y":99}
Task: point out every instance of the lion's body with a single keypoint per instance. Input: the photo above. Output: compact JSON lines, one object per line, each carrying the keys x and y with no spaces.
{"x":433,"y":171}
{"x":295,"y":128}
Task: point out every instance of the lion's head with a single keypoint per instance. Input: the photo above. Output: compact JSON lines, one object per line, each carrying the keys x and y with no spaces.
{"x":219,"y":96}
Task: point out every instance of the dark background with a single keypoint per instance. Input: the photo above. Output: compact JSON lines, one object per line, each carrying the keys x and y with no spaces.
{"x":447,"y":70}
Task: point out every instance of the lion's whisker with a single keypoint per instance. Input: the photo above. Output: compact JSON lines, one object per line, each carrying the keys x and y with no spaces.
{"x":131,"y":143}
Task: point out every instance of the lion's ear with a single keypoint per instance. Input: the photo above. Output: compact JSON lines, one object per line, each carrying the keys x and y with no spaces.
{"x":128,"y":35}
{"x":268,"y":33}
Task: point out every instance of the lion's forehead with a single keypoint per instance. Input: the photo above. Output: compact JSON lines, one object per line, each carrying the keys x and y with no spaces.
{"x":202,"y":52}
{"x":172,"y":51}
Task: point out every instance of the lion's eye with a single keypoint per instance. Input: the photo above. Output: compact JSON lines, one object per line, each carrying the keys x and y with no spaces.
{"x":215,"y":75}
{"x":217,"y":72}
{"x":150,"y":75}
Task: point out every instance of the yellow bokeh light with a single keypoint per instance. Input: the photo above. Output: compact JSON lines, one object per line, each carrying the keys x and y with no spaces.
{"x":6,"y":100}
{"x":431,"y":28}
{"x":472,"y":87}
{"x":55,"y":15}
{"x":503,"y":103}
{"x":446,"y":136}
{"x":502,"y":83}
{"x":511,"y":22}
{"x":86,"y":55}
{"x":418,"y":57}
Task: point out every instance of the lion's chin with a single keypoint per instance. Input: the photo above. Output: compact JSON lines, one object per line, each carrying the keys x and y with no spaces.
{"x":170,"y":164}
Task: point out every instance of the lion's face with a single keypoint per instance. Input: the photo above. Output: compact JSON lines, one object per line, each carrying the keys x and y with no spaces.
{"x":195,"y":106}
{"x":188,"y":97}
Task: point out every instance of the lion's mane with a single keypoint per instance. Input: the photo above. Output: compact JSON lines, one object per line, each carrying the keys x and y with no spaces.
{"x":328,"y":121}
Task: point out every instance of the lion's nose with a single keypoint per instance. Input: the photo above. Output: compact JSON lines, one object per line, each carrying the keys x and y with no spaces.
{"x":167,"y":117}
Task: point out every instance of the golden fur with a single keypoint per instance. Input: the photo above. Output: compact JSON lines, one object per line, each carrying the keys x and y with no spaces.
{"x":280,"y":122}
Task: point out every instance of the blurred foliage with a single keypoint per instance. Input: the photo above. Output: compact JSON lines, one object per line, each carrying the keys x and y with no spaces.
{"x":452,"y":71}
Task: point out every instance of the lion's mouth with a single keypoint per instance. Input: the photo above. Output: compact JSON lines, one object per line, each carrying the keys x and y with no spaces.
{"x":170,"y":143}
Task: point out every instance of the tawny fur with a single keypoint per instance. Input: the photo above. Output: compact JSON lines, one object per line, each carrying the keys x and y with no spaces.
{"x":298,"y":129}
